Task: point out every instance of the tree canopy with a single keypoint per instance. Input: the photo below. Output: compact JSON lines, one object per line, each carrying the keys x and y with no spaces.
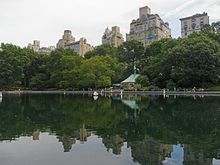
{"x":169,"y":63}
{"x":192,"y":61}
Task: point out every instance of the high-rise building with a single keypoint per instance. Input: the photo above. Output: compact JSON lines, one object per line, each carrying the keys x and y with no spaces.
{"x":47,"y":50}
{"x":35,"y":46}
{"x":81,"y":47}
{"x":43,"y":50}
{"x":113,"y":37}
{"x":193,"y":23}
{"x":148,"y":27}
{"x":66,"y":39}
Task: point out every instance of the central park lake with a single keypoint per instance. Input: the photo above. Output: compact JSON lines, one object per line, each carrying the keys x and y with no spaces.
{"x":54,"y":129}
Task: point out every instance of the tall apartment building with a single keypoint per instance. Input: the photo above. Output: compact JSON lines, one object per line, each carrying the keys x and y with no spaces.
{"x":113,"y":37}
{"x":81,"y":47}
{"x":66,"y":39}
{"x":193,"y":23}
{"x":43,"y":50}
{"x":35,"y":46}
{"x":148,"y":27}
{"x":47,"y":50}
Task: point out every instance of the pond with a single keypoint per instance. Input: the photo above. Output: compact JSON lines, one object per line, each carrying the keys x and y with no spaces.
{"x":52,"y":129}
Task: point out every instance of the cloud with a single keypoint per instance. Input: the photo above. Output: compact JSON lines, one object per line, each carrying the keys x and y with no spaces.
{"x":180,"y":8}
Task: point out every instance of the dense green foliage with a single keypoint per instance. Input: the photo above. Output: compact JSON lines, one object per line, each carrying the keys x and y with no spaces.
{"x":132,"y":54}
{"x":168,"y":63}
{"x":188,"y":62}
{"x":62,"y":69}
{"x":102,"y":50}
{"x":15,"y":65}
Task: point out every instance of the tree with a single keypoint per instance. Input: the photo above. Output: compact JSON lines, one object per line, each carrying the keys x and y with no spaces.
{"x":158,"y":48}
{"x":99,"y":71}
{"x":70,"y":66}
{"x":56,"y":65}
{"x":38,"y":73}
{"x":143,"y":80}
{"x":194,"y":61}
{"x":13,"y":62}
{"x":131,"y":53}
{"x":102,"y":50}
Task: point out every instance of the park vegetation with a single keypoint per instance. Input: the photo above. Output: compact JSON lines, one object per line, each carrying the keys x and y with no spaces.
{"x":169,"y":63}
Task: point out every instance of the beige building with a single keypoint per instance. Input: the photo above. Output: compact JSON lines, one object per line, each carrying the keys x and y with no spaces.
{"x":81,"y":47}
{"x":47,"y":50}
{"x":193,"y":23}
{"x":66,"y":39}
{"x":35,"y":46}
{"x":148,"y":27}
{"x":113,"y":37}
{"x":43,"y":50}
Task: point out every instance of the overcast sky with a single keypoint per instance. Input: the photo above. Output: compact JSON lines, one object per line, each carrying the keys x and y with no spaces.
{"x":22,"y":21}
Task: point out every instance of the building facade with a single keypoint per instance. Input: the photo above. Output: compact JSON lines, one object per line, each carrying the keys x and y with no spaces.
{"x":113,"y":37}
{"x":81,"y":47}
{"x":193,"y":23}
{"x":148,"y":27}
{"x":66,"y":39}
{"x":47,"y":50}
{"x":35,"y":46}
{"x":43,"y":50}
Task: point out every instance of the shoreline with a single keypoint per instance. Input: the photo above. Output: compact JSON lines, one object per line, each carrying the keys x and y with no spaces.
{"x":153,"y":93}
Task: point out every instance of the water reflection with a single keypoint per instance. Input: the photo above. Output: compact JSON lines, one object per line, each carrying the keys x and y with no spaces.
{"x":153,"y":130}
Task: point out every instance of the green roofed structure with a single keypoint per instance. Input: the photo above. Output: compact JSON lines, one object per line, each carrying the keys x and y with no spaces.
{"x":130,"y":81}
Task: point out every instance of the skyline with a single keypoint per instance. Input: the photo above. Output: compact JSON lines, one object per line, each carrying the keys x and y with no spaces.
{"x":26,"y":20}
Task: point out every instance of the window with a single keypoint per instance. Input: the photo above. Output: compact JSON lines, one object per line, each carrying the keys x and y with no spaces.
{"x":193,"y":26}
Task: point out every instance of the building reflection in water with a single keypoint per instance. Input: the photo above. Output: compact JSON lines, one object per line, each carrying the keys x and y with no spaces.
{"x":67,"y":141}
{"x":113,"y":142}
{"x":83,"y":134}
{"x":191,"y":157}
{"x":149,"y":151}
{"x":36,"y":135}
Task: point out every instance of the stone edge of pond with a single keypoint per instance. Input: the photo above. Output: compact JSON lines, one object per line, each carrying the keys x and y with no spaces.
{"x":183,"y":93}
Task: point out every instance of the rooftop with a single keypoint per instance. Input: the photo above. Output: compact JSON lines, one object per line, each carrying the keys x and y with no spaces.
{"x":131,"y":78}
{"x":194,"y":16}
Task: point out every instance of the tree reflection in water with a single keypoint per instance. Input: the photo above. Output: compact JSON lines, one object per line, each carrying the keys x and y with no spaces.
{"x":149,"y":126}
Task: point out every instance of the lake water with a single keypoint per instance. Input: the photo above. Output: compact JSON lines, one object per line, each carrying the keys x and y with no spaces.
{"x":128,"y":130}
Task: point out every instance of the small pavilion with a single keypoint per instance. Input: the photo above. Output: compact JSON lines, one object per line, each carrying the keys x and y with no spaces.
{"x":131,"y":80}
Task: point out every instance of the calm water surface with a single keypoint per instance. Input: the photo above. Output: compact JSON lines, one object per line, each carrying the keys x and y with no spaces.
{"x":132,"y":130}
